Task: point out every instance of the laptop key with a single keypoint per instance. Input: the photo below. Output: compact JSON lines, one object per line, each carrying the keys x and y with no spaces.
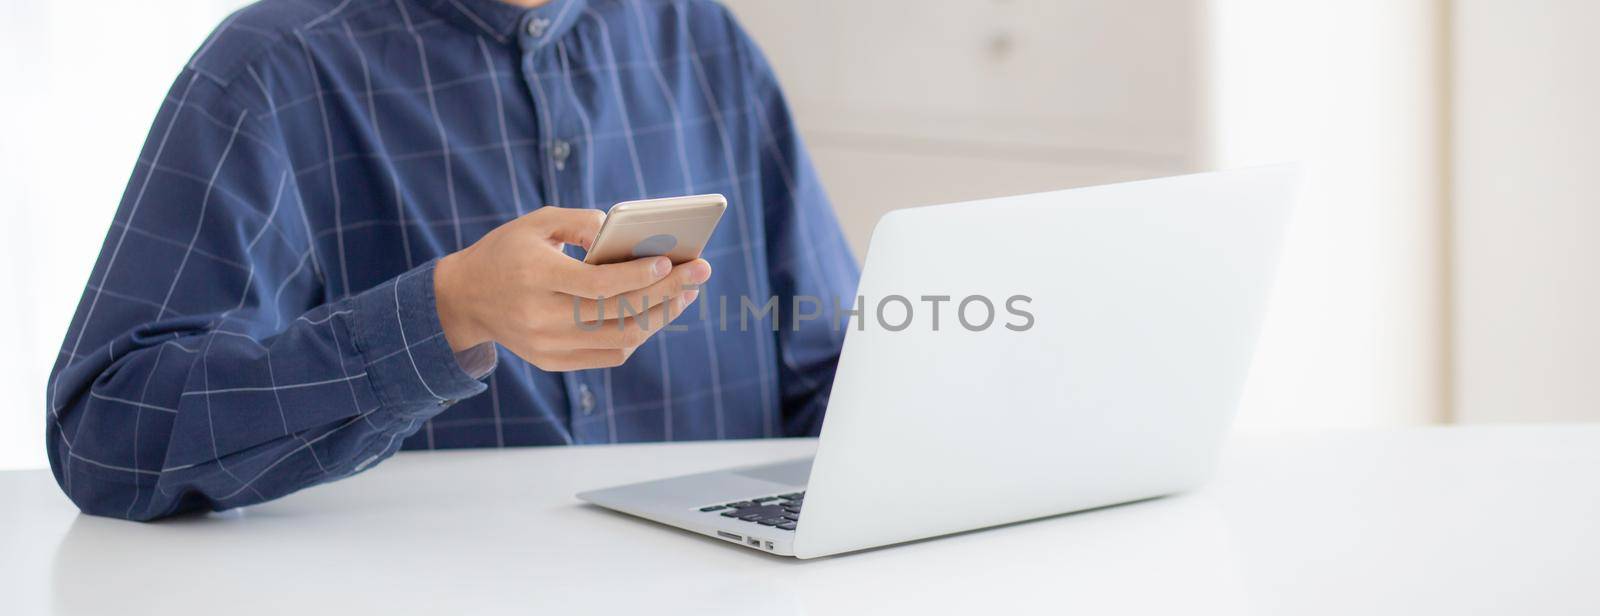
{"x":764,"y":499}
{"x":789,"y":526}
{"x":792,"y":495}
{"x":771,"y":521}
{"x":791,"y":517}
{"x":714,"y":508}
{"x":732,"y":513}
{"x":751,"y":516}
{"x":741,"y":504}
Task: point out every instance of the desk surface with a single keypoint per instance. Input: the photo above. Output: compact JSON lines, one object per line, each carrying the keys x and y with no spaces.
{"x":1441,"y":520}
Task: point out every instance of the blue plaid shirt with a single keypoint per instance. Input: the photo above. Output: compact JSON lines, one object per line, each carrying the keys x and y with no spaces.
{"x":261,"y":317}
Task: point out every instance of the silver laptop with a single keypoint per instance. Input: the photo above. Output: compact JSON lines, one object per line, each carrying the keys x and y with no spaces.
{"x":1142,"y":304}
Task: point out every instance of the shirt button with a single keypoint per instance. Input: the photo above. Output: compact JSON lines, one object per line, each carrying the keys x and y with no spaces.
{"x":585,"y":398}
{"x":559,"y":151}
{"x":536,"y":27}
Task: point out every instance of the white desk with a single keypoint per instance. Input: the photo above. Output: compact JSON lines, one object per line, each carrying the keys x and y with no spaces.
{"x":1439,"y":521}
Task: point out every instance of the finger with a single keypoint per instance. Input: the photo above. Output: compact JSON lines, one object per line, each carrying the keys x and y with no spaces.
{"x":611,"y":280}
{"x":683,"y":278}
{"x":625,"y":333}
{"x":577,"y":359}
{"x":569,"y":225}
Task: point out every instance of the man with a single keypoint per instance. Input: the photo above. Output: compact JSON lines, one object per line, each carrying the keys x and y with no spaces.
{"x":332,"y":248}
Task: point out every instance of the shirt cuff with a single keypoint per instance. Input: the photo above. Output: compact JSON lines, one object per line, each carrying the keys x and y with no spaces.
{"x":478,"y":361}
{"x":396,"y":328}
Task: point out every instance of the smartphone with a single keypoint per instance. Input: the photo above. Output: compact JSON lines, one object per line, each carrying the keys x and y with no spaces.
{"x":677,"y":227}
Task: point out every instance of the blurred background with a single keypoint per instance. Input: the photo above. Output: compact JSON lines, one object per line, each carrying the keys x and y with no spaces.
{"x":1444,"y":266}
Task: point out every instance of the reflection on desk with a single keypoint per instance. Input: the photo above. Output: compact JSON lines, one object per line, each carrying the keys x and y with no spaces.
{"x":1441,"y":520}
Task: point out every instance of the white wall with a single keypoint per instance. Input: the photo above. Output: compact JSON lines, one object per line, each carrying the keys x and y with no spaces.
{"x":83,"y":81}
{"x":912,"y":102}
{"x":1527,"y":210}
{"x":1354,"y":90}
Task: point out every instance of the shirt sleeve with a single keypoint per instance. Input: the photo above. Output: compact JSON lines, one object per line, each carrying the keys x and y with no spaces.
{"x":206,"y":367}
{"x":811,"y":266}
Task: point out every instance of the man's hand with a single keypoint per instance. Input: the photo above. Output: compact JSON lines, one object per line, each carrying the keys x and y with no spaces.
{"x":515,"y":287}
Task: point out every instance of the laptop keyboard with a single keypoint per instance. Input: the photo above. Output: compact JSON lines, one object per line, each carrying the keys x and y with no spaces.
{"x":781,"y":511}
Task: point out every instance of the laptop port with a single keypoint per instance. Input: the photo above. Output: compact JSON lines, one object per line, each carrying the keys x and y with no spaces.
{"x":754,"y":542}
{"x":727,"y":535}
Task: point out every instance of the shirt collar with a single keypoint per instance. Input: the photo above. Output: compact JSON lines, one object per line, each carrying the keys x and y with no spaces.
{"x":506,"y":22}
